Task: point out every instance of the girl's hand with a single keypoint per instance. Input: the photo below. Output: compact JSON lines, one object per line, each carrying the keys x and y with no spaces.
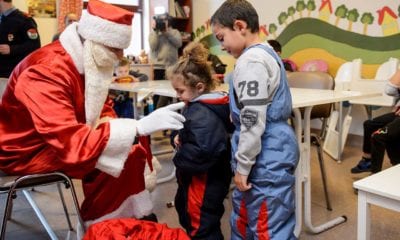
{"x":177,"y":142}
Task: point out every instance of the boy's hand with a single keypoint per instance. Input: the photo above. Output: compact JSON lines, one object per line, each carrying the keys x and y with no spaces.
{"x":241,"y":182}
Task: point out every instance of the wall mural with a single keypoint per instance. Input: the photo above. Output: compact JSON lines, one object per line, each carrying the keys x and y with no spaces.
{"x":310,"y":30}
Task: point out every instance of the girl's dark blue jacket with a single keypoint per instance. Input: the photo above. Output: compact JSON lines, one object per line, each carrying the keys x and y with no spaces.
{"x":205,"y":137}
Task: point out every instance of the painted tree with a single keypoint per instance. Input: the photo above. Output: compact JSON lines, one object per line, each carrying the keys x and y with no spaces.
{"x":366,"y":19}
{"x":300,"y":6}
{"x":290,"y":12}
{"x":352,"y":16}
{"x":340,"y":12}
{"x":310,"y":7}
{"x":203,"y":29}
{"x":198,"y":32}
{"x":272,"y":29}
{"x":282,"y":18}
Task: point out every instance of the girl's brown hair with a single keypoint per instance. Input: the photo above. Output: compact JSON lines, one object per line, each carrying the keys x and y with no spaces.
{"x":193,"y":66}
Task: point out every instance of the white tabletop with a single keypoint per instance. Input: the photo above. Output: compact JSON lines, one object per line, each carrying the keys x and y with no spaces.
{"x":157,"y":87}
{"x":381,"y":101}
{"x":301,"y":97}
{"x":382,"y":183}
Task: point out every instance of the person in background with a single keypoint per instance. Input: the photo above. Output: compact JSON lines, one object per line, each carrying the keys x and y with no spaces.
{"x":164,"y":44}
{"x":264,"y":146}
{"x":218,"y":66}
{"x":55,"y":116}
{"x":380,"y":133}
{"x":18,"y":37}
{"x":69,"y":18}
{"x":289,"y":64}
{"x":202,"y":146}
{"x":123,"y":104}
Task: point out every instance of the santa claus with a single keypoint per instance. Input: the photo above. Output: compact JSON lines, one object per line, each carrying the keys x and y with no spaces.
{"x":53,"y":110}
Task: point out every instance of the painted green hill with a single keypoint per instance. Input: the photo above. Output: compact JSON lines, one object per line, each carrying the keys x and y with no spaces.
{"x":328,"y":31}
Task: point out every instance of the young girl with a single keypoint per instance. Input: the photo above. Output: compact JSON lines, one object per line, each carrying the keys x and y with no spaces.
{"x":203,"y":149}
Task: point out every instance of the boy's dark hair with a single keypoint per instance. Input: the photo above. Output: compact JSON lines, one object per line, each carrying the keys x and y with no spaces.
{"x":232,"y":10}
{"x":275,"y":45}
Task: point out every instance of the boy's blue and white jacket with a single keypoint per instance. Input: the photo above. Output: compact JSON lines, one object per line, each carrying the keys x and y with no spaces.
{"x":264,"y":147}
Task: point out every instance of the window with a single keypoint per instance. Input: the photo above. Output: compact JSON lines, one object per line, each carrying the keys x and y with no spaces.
{"x":137,"y":24}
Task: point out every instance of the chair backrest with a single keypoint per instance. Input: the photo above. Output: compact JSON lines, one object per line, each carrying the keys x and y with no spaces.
{"x":314,"y":80}
{"x":315,"y":65}
{"x":347,"y":73}
{"x":387,"y":69}
{"x":382,"y":76}
{"x":147,"y":69}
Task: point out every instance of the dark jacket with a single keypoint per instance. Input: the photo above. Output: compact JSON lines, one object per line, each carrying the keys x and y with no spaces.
{"x":19,"y":31}
{"x":205,"y":136}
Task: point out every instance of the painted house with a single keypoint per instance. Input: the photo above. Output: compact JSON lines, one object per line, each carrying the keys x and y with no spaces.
{"x":263,"y":32}
{"x":325,"y":11}
{"x":387,"y":19}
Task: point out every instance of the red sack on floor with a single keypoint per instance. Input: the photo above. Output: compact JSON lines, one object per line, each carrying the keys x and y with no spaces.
{"x":128,"y":228}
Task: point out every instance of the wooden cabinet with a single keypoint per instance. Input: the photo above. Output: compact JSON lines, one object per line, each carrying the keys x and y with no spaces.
{"x":180,"y":11}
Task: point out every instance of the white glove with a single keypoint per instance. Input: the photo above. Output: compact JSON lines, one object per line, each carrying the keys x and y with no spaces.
{"x":161,"y":119}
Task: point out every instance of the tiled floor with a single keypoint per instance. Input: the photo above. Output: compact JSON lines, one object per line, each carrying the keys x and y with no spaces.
{"x":385,"y":223}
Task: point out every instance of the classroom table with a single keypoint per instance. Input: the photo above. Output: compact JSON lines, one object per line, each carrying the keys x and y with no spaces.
{"x":380,"y":189}
{"x":142,"y":90}
{"x":301,"y":98}
{"x":382,"y":100}
{"x":307,"y":98}
{"x":369,"y":103}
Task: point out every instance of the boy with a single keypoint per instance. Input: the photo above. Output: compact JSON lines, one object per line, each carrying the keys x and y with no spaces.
{"x":382,"y":133}
{"x":264,"y":147}
{"x":122,"y":102}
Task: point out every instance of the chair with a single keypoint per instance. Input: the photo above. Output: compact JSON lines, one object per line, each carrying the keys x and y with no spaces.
{"x":147,"y":69}
{"x":347,"y":73}
{"x":385,"y":71}
{"x":316,"y":80}
{"x":315,"y":65}
{"x":11,"y":184}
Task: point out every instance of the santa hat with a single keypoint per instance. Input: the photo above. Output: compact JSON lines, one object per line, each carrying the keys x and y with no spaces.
{"x":106,"y":24}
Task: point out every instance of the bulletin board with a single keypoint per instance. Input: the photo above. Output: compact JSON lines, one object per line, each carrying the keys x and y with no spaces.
{"x":42,"y":8}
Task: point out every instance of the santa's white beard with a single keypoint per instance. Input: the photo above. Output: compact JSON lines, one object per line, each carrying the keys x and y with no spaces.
{"x":98,"y":62}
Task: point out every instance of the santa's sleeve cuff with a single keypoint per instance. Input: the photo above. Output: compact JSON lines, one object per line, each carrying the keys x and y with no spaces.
{"x":122,"y":136}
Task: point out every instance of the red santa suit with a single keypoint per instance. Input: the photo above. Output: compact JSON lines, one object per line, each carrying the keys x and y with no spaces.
{"x":48,"y":124}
